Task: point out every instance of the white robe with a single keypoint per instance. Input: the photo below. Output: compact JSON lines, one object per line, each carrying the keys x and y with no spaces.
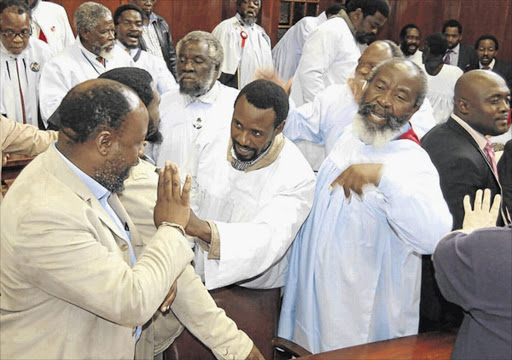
{"x":53,"y":20}
{"x":355,"y":266}
{"x":31,"y":62}
{"x":441,"y":89}
{"x":257,"y":214}
{"x":416,"y":58}
{"x":155,"y":66}
{"x":255,"y":54}
{"x":287,"y":52}
{"x":322,"y":121}
{"x":329,"y":57}
{"x":179,"y":125}
{"x":74,"y":66}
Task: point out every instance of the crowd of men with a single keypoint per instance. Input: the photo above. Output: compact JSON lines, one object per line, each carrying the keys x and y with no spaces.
{"x":169,"y":171}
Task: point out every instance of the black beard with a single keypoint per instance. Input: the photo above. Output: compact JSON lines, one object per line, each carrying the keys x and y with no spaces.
{"x":365,"y":38}
{"x":156,"y":137}
{"x":105,"y":175}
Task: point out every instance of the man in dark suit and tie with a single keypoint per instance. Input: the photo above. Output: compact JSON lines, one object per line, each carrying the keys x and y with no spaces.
{"x":487,"y":47}
{"x":462,"y":55}
{"x":465,"y":161}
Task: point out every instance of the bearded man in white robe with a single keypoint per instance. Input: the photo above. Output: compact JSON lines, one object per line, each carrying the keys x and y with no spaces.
{"x":355,"y":268}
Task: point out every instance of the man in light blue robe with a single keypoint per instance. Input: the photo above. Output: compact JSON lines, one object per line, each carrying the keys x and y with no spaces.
{"x":355,"y":269}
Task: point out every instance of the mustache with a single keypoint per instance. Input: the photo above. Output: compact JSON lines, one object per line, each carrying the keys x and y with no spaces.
{"x":393,"y":122}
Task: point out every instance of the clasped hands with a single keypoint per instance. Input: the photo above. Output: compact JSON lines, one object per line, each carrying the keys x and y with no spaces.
{"x":173,"y":206}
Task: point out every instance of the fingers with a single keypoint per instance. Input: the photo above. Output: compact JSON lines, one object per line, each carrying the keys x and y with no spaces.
{"x":495,"y":209}
{"x":185,"y":197}
{"x":478,"y":200}
{"x":467,"y":204}
{"x":171,"y":295}
{"x":176,"y":181}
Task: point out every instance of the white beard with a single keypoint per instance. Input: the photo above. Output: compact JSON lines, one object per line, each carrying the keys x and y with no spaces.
{"x":370,"y":134}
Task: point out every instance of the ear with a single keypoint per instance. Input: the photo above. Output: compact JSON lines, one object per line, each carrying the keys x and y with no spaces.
{"x":356,"y":16}
{"x":463,"y":106}
{"x":85,"y":34}
{"x":280,"y":128}
{"x":104,"y":142}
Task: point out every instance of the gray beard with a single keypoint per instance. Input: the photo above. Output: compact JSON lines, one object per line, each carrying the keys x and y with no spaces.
{"x":249,"y":20}
{"x":370,"y":133}
{"x":198,"y":89}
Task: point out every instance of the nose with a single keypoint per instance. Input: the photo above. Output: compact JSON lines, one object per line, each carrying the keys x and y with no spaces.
{"x":187,"y":66}
{"x":111,"y":35}
{"x":383,"y":100}
{"x":243,"y":138}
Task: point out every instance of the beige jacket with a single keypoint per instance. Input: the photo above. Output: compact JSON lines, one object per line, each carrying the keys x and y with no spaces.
{"x":23,"y":139}
{"x":68,"y":290}
{"x":193,"y":306}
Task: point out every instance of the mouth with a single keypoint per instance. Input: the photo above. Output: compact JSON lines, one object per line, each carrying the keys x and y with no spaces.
{"x":378,"y":117}
{"x":243,"y":151}
{"x":250,"y":13}
{"x":134,"y":36}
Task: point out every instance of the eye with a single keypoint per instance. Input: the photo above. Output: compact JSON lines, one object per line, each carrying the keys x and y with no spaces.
{"x":256,"y":133}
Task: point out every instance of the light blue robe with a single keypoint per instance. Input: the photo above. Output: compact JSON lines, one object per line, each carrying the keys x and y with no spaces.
{"x":355,"y":268}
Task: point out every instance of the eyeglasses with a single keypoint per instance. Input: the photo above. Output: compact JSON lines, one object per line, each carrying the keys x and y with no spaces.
{"x":12,"y":34}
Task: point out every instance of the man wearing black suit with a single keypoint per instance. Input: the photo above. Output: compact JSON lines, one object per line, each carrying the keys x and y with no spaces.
{"x":487,"y":49}
{"x":459,"y":150}
{"x":462,"y":55}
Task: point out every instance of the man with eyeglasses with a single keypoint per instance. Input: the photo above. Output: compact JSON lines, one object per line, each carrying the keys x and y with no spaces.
{"x":22,"y":60}
{"x":92,"y":54}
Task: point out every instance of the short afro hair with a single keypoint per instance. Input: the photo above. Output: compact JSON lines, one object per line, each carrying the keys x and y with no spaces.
{"x":264,"y":94}
{"x":86,"y":112}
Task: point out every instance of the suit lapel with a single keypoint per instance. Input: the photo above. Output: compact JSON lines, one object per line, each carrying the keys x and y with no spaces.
{"x":61,"y":170}
{"x":459,"y":129}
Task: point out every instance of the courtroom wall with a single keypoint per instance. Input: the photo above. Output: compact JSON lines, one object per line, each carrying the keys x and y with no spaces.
{"x":477,"y":16}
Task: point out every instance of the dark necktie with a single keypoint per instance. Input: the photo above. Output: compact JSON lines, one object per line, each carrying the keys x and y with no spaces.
{"x":447,"y":57}
{"x":21,"y":93}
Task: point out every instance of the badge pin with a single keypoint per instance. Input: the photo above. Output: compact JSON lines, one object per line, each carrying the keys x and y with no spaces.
{"x":35,"y":67}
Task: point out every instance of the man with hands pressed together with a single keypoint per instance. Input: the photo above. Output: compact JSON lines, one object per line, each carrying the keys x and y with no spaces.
{"x":67,"y":244}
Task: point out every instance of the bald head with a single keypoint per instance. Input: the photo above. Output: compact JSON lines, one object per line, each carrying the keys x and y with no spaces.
{"x":482,"y":99}
{"x":375,"y":53}
{"x":103,"y":126}
{"x":94,"y":104}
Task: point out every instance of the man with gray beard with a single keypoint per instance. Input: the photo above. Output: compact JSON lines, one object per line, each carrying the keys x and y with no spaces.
{"x":200,"y":104}
{"x":378,"y":206}
{"x":91,"y":55}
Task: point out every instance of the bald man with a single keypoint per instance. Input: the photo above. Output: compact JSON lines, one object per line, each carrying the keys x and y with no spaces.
{"x":67,"y":258}
{"x":465,"y":160}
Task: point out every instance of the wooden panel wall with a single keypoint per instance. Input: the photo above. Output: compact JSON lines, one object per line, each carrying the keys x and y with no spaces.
{"x":477,"y":16}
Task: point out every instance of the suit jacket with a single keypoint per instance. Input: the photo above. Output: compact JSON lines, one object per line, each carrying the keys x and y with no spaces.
{"x":505,"y":173}
{"x":193,"y":305}
{"x":68,"y":290}
{"x":165,"y":39}
{"x":504,"y":69}
{"x":468,"y":58}
{"x":463,"y":168}
{"x":25,"y":139}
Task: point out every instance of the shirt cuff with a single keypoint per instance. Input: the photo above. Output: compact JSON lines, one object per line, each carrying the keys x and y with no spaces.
{"x":214,"y":252}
